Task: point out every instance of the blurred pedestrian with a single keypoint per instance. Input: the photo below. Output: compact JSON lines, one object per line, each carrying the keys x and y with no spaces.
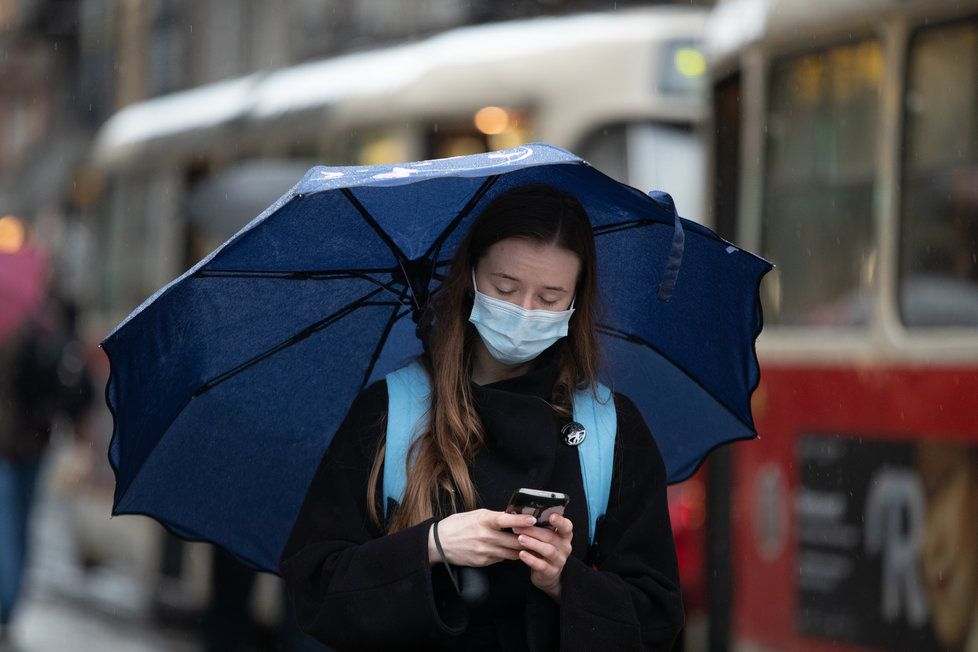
{"x":42,"y":374}
{"x":228,"y":626}
{"x":227,"y":623}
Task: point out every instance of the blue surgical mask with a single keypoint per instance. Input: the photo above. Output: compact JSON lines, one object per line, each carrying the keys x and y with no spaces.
{"x":512,"y":334}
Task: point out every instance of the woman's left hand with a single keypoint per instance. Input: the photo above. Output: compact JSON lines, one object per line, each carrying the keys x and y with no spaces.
{"x":546,"y":551}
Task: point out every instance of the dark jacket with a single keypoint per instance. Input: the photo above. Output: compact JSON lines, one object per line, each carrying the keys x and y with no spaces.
{"x":356,"y":589}
{"x":42,"y":374}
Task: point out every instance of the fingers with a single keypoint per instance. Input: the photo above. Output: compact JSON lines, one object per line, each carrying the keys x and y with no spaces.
{"x":534,"y":562}
{"x":563,"y":529}
{"x":546,"y":551}
{"x":496,"y":551}
{"x":564,"y":526}
{"x":492,"y":542}
{"x":495,"y":544}
{"x":542,"y":548}
{"x":502,"y":520}
{"x":545,"y":568}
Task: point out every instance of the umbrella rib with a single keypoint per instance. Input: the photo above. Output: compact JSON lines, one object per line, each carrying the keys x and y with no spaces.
{"x":369,"y":219}
{"x":294,"y":339}
{"x":435,"y":247}
{"x":383,"y":338}
{"x":303,"y":275}
{"x":635,"y":339}
{"x":291,"y":275}
{"x":605,"y":229}
{"x":402,"y":260}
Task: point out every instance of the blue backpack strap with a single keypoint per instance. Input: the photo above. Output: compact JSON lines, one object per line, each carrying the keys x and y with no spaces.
{"x":597,"y":451}
{"x":408,"y":396}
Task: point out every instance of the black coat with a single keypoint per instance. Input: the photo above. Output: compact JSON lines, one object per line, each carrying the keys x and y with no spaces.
{"x":354,"y":588}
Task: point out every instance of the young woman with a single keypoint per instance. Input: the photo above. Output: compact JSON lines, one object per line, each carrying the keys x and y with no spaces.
{"x":949,"y":545}
{"x":508,"y":338}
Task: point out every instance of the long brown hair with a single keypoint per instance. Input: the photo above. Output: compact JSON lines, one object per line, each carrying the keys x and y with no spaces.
{"x":440,"y":457}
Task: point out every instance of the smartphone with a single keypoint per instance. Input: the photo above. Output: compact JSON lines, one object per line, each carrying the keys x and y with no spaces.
{"x":539,"y":503}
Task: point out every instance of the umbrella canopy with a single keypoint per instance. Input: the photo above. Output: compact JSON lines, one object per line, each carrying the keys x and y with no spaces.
{"x":227,"y":385}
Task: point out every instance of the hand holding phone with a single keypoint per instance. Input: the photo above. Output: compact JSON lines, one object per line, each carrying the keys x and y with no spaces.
{"x":539,"y":503}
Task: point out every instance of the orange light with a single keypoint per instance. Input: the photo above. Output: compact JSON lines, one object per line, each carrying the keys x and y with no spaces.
{"x":492,"y":120}
{"x":12,"y":233}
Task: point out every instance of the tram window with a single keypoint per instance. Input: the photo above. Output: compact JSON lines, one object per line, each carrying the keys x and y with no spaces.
{"x":938,"y":282}
{"x":380,"y":147}
{"x":667,"y":157}
{"x":605,"y":149}
{"x":651,"y":156}
{"x":817,"y":223}
{"x":726,"y":155}
{"x":489,"y":128}
{"x":123,"y":259}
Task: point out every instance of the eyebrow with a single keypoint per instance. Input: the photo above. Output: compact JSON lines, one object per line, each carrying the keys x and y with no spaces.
{"x":555,"y":288}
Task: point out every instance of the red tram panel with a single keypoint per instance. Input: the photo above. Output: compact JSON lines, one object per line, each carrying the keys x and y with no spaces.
{"x":886,"y":407}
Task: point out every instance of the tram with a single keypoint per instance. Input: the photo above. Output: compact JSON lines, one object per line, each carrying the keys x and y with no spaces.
{"x":844,"y":148}
{"x":182,"y":173}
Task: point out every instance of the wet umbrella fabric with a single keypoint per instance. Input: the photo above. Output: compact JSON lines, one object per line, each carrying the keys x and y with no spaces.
{"x":227,"y":385}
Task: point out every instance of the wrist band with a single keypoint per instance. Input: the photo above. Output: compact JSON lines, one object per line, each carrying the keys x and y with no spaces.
{"x":441,"y":553}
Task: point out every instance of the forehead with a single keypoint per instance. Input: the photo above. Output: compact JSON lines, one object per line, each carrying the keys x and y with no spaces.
{"x":532,"y":262}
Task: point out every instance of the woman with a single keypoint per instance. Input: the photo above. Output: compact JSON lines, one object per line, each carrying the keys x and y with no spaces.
{"x":949,"y":545}
{"x":361,"y":581}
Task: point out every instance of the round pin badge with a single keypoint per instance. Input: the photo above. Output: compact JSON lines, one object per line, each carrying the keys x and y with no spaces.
{"x":573,"y":433}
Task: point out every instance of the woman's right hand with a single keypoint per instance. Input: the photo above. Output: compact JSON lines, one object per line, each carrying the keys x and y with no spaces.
{"x":477,"y":538}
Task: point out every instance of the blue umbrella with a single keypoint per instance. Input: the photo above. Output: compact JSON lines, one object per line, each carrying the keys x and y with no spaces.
{"x":227,"y":384}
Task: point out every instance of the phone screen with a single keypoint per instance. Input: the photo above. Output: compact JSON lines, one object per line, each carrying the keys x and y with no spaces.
{"x":541,"y":504}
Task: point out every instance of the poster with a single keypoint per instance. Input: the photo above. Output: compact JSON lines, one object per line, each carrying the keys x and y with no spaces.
{"x":887,"y":542}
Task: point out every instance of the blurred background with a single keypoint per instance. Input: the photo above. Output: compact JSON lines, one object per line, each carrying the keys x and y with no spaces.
{"x":838,"y":139}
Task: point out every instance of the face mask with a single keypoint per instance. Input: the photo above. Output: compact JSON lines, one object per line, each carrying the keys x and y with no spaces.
{"x":513,"y":334}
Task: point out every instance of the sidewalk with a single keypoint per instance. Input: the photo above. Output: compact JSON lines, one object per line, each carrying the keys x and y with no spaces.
{"x":52,"y":624}
{"x":64,"y":609}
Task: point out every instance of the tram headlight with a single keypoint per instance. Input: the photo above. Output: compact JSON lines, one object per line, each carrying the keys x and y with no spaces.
{"x":690,"y":62}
